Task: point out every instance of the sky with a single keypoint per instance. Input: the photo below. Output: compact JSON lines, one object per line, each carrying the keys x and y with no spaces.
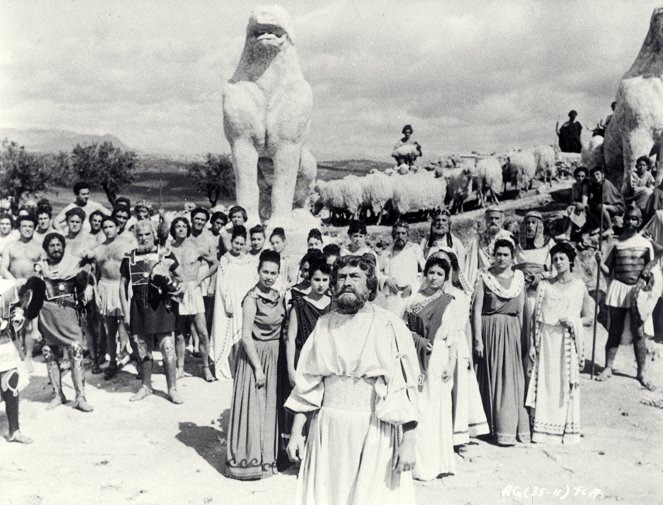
{"x":468,"y":75}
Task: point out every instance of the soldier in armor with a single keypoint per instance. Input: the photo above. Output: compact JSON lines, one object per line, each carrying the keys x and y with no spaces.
{"x":11,"y":321}
{"x":149,"y":312}
{"x":62,"y":287}
{"x":626,"y":260}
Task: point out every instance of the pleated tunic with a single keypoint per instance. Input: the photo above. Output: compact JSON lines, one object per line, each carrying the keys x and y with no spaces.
{"x":252,"y":443}
{"x":500,"y":373}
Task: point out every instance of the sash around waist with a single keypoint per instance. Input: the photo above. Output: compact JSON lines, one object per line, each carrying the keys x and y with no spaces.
{"x":349,"y":393}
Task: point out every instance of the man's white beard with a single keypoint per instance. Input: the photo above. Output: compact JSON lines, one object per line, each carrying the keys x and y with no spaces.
{"x":144,"y":248}
{"x":351,"y":302}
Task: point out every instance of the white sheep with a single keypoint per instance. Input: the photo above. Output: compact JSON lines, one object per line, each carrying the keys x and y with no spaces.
{"x":378,"y":189}
{"x":520,"y":170}
{"x":592,"y":154}
{"x":459,"y":182}
{"x":489,"y":172}
{"x":418,"y":192}
{"x":545,"y":162}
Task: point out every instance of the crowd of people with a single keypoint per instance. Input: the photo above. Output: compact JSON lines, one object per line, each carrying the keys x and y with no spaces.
{"x":365,"y":367}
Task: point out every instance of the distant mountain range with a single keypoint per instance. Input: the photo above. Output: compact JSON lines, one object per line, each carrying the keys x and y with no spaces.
{"x":41,"y":140}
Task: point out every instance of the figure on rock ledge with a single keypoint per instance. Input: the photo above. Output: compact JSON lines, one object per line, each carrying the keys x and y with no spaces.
{"x":266,"y":115}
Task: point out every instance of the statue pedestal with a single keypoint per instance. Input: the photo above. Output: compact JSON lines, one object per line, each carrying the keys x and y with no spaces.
{"x":296,"y":231}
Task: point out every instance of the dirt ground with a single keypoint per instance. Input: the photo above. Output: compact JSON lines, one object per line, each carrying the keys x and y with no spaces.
{"x":154,"y":452}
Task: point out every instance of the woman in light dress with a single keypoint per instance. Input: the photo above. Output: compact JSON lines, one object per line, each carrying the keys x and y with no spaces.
{"x":469,"y":419}
{"x":556,"y":351}
{"x":431,"y":317}
{"x":236,"y":275}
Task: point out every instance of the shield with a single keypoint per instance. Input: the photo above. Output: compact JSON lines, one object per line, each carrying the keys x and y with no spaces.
{"x":647,"y":293}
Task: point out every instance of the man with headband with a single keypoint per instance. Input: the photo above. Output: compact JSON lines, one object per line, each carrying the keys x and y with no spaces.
{"x":626,"y":260}
{"x":355,"y":380}
{"x":480,"y":250}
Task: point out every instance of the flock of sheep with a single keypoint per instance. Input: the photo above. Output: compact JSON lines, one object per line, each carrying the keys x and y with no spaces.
{"x":419,"y":191}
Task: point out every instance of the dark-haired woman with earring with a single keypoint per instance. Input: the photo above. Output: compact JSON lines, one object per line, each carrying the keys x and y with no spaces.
{"x":556,"y":351}
{"x":253,"y":430}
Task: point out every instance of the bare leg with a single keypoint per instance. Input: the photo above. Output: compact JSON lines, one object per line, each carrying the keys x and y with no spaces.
{"x":200,"y":326}
{"x":111,"y":327}
{"x":167,"y":348}
{"x":180,"y":353}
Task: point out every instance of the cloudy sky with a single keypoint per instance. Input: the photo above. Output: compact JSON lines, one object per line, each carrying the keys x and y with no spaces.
{"x":467,"y":74}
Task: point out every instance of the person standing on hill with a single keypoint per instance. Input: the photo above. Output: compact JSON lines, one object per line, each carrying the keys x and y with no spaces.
{"x":82,"y":202}
{"x":569,"y":134}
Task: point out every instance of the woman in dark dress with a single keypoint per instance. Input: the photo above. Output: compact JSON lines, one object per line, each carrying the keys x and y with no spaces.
{"x":253,"y":430}
{"x":497,"y":322}
{"x":304,"y":313}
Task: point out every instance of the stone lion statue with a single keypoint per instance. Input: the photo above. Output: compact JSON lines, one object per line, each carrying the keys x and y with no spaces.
{"x":266,"y":115}
{"x":637,"y":122}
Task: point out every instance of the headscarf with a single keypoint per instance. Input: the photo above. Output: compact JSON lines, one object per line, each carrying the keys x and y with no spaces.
{"x":539,"y":239}
{"x":457,"y":278}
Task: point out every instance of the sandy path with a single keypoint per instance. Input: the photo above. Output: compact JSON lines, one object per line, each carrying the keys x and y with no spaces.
{"x":153,"y":452}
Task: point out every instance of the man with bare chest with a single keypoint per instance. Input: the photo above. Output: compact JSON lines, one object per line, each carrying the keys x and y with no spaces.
{"x":108,"y":257}
{"x":78,"y":242}
{"x":18,"y":263}
{"x":191,"y":310}
{"x":207,"y":242}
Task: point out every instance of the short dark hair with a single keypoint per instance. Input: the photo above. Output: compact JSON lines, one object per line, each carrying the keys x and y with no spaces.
{"x":50,"y":237}
{"x":121,"y":208}
{"x":111,"y":219}
{"x":564,"y":248}
{"x":269,"y":256}
{"x":646,"y":159}
{"x":595,"y":169}
{"x":365,"y":264}
{"x":311,"y":255}
{"x":122,"y":201}
{"x":6,"y":215}
{"x":80,"y":185}
{"x":75,"y":211}
{"x":235,"y":209}
{"x":28,"y":217}
{"x":440,"y":262}
{"x":502,"y":242}
{"x":180,"y":219}
{"x":318,"y":264}
{"x":314,"y":233}
{"x":238,"y":231}
{"x":200,"y":210}
{"x":278,"y":232}
{"x":257,"y":229}
{"x":581,"y":169}
{"x":43,"y":209}
{"x":96,"y":213}
{"x":219,"y":215}
{"x":331,"y":250}
{"x":356,"y":227}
